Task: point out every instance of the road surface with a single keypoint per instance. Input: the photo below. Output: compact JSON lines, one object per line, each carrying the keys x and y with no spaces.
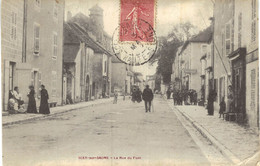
{"x":108,"y":134}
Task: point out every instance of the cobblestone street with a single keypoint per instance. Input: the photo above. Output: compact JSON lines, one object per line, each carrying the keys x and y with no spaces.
{"x":111,"y":130}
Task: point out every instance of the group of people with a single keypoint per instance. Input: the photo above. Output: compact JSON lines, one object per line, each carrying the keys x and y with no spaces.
{"x":147,"y":96}
{"x":16,"y":104}
{"x":189,"y":97}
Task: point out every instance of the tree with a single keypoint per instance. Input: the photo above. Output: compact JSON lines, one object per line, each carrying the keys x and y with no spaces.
{"x":168,"y":47}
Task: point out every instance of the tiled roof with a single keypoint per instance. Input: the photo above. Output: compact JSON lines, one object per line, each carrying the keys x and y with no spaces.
{"x":204,"y":36}
{"x":70,"y":53}
{"x":86,"y":25}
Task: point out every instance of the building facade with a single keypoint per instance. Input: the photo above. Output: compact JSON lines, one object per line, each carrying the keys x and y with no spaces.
{"x":101,"y":61}
{"x":12,"y":45}
{"x":223,"y":43}
{"x":244,"y":60}
{"x":37,"y":37}
{"x":192,"y":74}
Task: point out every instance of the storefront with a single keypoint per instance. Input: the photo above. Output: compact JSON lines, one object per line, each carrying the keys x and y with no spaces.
{"x":238,"y":72}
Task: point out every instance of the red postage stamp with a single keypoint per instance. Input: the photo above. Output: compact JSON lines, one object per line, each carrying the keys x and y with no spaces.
{"x":137,"y":20}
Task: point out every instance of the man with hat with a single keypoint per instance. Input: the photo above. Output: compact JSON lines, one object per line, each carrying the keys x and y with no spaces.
{"x":147,"y":97}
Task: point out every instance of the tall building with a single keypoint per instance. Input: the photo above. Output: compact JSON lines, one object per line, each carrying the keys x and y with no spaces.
{"x":101,"y":62}
{"x":223,"y":44}
{"x":244,"y":61}
{"x":34,"y":54}
{"x":12,"y":46}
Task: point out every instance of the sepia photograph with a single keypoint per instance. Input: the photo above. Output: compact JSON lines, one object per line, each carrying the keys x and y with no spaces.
{"x":130,"y":83}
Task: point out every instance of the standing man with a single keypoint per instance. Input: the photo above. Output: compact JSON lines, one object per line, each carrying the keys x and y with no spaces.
{"x":115,"y":97}
{"x":147,"y":97}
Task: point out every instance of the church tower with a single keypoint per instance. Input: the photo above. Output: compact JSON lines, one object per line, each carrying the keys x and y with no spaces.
{"x":96,"y":16}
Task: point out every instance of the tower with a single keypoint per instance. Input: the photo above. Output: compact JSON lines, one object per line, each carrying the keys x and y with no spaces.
{"x":96,"y":16}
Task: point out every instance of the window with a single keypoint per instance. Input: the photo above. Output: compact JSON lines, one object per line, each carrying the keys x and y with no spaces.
{"x":253,"y":24}
{"x":53,"y":83}
{"x":253,"y":89}
{"x":55,"y":9}
{"x":55,"y":45}
{"x":204,"y":49}
{"x":37,"y":3}
{"x":105,"y":68}
{"x":36,"y":37}
{"x":253,"y":31}
{"x":13,"y":25}
{"x":239,"y":38}
{"x":228,"y":38}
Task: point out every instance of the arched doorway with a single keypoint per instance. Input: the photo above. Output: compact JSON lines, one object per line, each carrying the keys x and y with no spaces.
{"x":87,"y":89}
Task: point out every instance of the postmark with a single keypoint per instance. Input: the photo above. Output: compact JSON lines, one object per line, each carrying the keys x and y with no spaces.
{"x":134,"y":40}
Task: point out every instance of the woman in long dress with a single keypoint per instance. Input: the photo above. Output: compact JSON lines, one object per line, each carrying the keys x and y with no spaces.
{"x":44,"y":105}
{"x":32,"y":103}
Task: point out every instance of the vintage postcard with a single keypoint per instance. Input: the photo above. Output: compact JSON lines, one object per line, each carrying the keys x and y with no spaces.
{"x":130,"y":82}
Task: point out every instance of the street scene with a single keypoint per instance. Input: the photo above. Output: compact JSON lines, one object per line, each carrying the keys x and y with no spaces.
{"x":130,"y":82}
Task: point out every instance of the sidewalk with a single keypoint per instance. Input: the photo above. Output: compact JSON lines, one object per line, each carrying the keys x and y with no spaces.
{"x":8,"y":119}
{"x":234,"y":141}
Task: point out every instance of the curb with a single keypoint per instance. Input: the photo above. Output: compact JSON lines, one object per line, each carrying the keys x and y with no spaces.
{"x":55,"y":113}
{"x":224,"y":150}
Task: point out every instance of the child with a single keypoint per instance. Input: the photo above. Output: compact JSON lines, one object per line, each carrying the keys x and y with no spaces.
{"x":222,"y":107}
{"x":115,"y":97}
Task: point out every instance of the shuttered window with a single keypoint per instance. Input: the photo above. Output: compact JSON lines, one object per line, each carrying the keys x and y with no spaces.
{"x":55,"y":45}
{"x":254,"y":21}
{"x":239,"y":29}
{"x":13,"y":25}
{"x":228,"y":38}
{"x":253,"y":89}
{"x":54,"y":83}
{"x":36,"y":37}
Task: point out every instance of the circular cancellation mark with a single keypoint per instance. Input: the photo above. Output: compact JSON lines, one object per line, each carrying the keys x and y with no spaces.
{"x":134,"y":44}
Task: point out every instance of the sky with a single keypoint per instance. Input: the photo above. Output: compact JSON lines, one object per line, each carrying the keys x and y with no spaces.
{"x":168,"y":14}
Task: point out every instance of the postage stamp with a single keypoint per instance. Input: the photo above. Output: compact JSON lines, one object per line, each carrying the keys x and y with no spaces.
{"x":134,"y":40}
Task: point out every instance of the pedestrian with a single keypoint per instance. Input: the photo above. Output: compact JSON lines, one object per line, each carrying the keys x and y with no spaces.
{"x":44,"y":105}
{"x":32,"y":103}
{"x":211,"y":99}
{"x":147,"y":97}
{"x":17,"y":96}
{"x":168,"y":93}
{"x":115,"y":97}
{"x":222,"y":107}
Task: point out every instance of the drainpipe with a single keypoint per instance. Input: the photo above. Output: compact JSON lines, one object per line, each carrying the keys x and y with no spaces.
{"x":213,"y":50}
{"x":62,"y":67}
{"x":24,"y":31}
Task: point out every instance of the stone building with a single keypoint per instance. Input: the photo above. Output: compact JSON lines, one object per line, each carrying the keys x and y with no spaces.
{"x":122,"y":76}
{"x":223,"y":41}
{"x":190,"y":55}
{"x":37,"y":39}
{"x":12,"y":45}
{"x":244,"y":61}
{"x":100,"y":61}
